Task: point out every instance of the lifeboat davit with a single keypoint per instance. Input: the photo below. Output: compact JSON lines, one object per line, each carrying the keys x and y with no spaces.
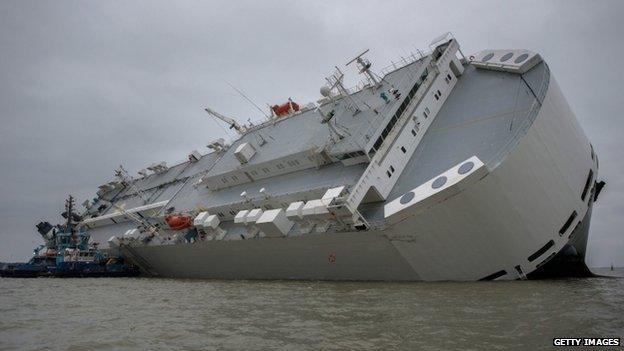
{"x":285,"y":108}
{"x":178,"y":222}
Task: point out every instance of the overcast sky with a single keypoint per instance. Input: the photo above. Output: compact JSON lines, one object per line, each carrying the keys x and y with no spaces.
{"x":85,"y":86}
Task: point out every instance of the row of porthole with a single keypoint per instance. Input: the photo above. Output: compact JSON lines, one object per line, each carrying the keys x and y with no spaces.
{"x":438,"y":182}
{"x":506,"y":57}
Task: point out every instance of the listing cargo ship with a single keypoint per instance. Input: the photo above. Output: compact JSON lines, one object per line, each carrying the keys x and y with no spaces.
{"x":438,"y":167}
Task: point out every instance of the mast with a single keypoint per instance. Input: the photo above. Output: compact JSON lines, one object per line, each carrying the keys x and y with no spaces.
{"x":365,"y":66}
{"x":69,"y":224}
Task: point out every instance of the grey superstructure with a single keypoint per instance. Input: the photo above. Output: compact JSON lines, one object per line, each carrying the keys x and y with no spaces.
{"x":444,"y":167}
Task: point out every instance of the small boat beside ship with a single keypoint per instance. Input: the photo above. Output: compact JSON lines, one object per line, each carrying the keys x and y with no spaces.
{"x":68,"y":252}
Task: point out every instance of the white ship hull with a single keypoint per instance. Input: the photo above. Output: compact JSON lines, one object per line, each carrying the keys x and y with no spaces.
{"x":499,"y":227}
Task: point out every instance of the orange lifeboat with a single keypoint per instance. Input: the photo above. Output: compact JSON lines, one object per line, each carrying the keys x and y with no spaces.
{"x":178,"y":222}
{"x":285,"y":108}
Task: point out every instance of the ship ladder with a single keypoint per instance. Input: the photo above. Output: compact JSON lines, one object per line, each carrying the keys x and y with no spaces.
{"x":139,"y":261}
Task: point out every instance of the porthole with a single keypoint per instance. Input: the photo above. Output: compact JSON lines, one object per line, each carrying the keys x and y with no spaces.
{"x":506,"y":57}
{"x":487,"y":57}
{"x":521,"y":58}
{"x":439,"y":182}
{"x":407,"y":198}
{"x":466,"y":167}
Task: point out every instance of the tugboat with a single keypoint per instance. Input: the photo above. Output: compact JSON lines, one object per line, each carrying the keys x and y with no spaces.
{"x":67,"y":252}
{"x":38,"y":266}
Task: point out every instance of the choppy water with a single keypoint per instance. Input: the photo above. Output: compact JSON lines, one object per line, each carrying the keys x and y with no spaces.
{"x":140,"y":313}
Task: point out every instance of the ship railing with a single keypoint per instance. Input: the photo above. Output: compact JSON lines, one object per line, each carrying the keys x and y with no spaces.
{"x":404,"y":61}
{"x":359,"y":86}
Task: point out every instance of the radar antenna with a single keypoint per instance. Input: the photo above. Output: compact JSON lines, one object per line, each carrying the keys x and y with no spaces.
{"x":335,"y":82}
{"x":365,"y":65}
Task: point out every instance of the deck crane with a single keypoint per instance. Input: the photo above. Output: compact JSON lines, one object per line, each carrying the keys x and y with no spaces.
{"x":143,"y":223}
{"x":231,"y":121}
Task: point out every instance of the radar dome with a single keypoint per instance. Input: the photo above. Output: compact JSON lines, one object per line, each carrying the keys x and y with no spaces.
{"x":325,"y":91}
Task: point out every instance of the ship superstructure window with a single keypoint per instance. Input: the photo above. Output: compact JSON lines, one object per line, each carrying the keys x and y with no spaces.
{"x":568,"y":223}
{"x":265,"y":170}
{"x":254,"y":173}
{"x":437,"y":95}
{"x":390,"y":171}
{"x":398,"y":113}
{"x":279,"y":166}
{"x":448,"y":79}
{"x":234,"y":178}
{"x":587,"y":184}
